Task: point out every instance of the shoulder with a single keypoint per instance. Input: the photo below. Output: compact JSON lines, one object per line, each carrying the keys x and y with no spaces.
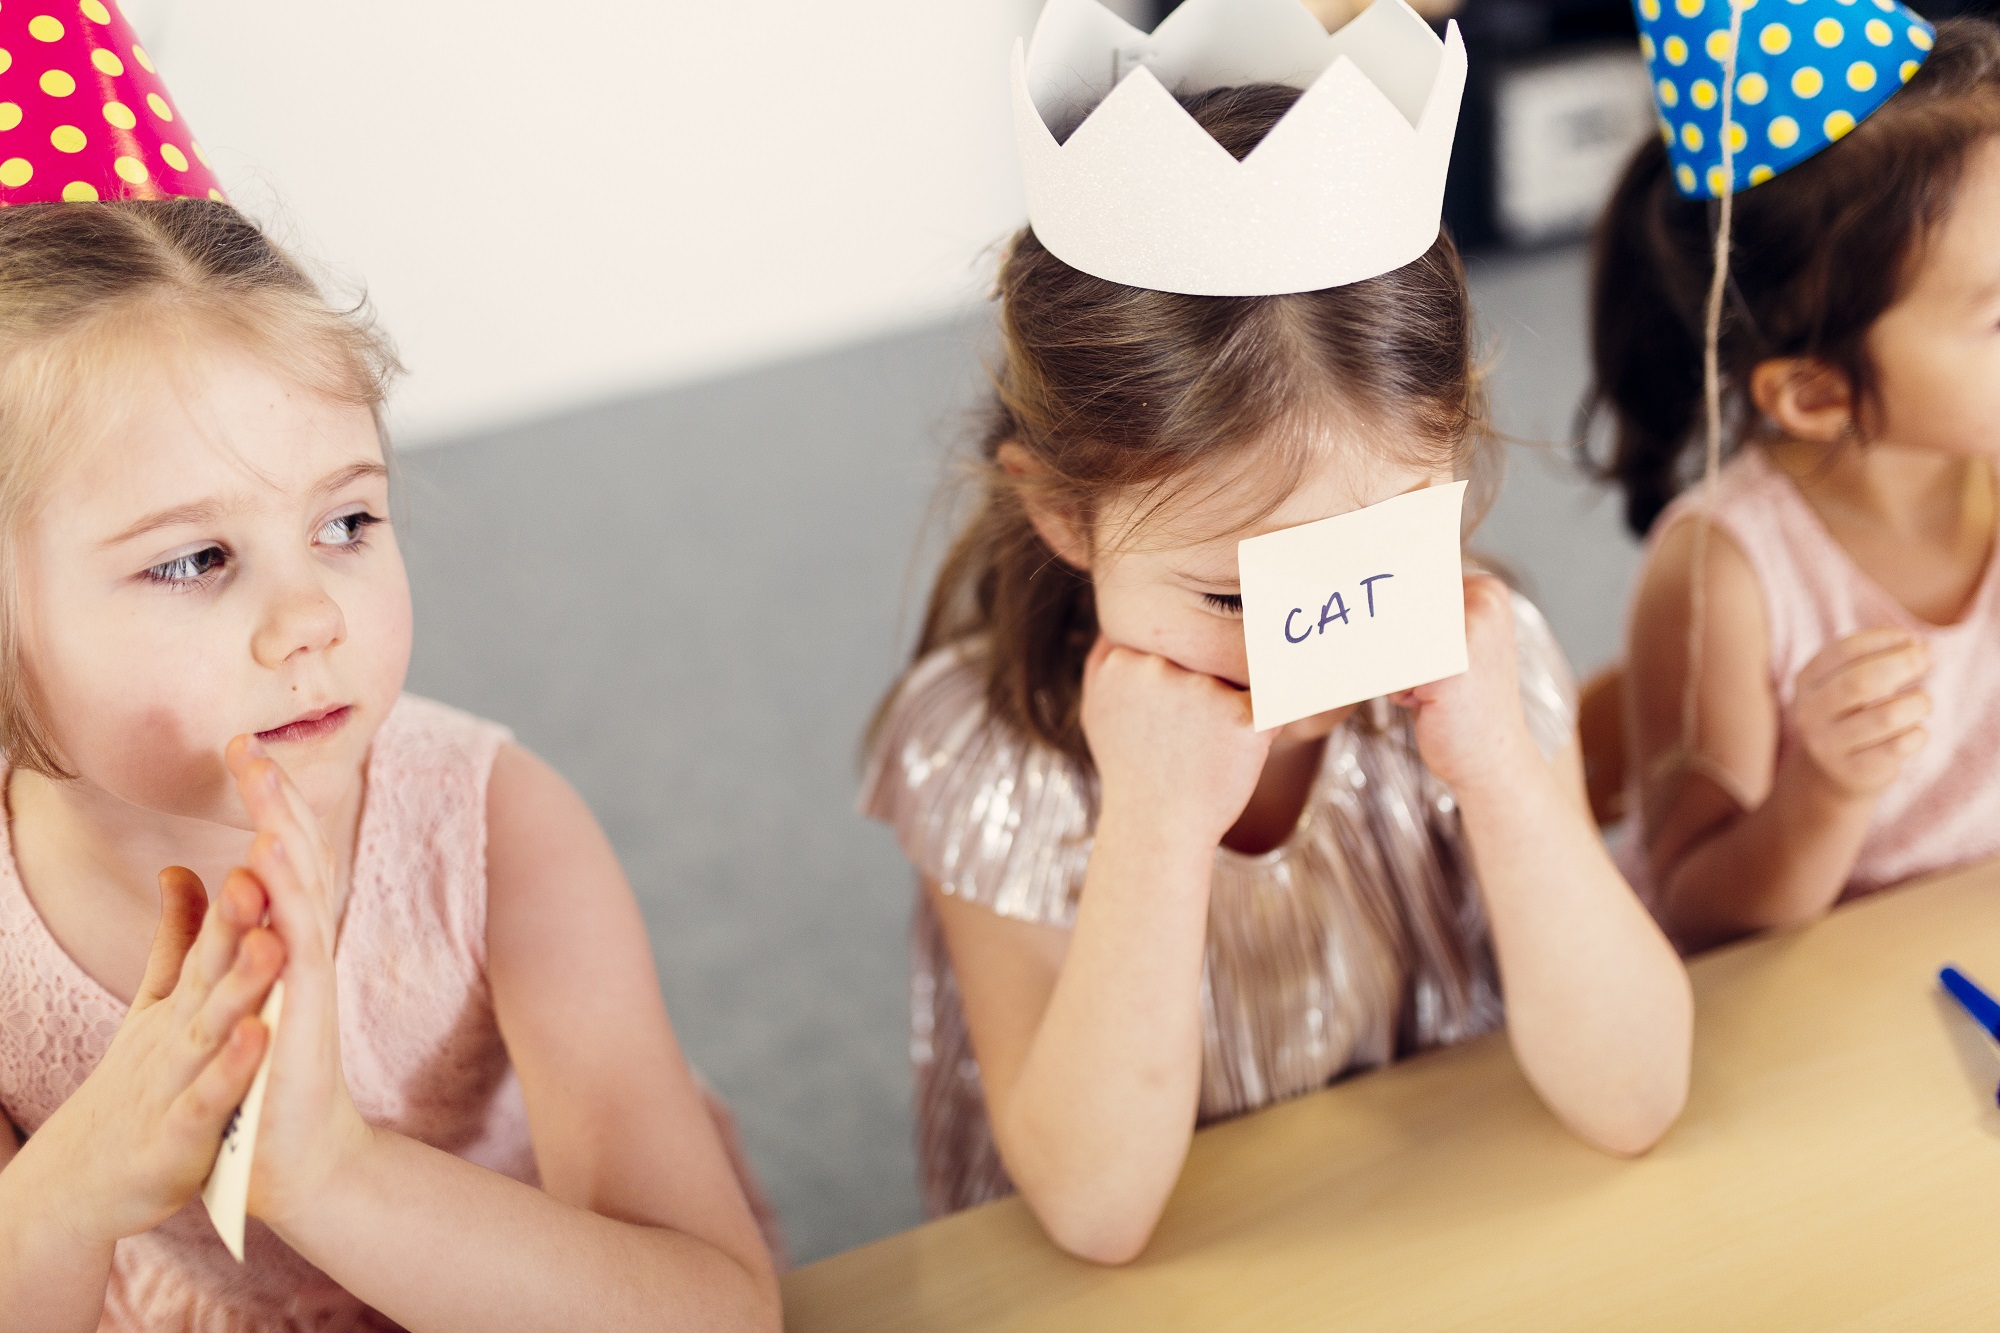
{"x":986,"y":813}
{"x":1664,"y":608}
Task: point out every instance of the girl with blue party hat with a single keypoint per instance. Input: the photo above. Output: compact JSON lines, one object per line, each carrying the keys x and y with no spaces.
{"x":1803,"y":273}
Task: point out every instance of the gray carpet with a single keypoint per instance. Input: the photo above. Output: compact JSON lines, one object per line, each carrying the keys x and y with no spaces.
{"x":689,"y":603}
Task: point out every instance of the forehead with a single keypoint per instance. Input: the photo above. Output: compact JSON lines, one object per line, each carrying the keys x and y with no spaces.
{"x":1964,"y":251}
{"x":214,"y":422}
{"x":1270,"y":487}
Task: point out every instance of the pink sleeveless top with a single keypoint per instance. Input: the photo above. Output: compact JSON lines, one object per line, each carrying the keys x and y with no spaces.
{"x":1943,"y":810}
{"x":418,"y":1040}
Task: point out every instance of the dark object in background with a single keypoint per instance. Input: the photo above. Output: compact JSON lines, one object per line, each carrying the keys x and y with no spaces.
{"x":1556,"y":98}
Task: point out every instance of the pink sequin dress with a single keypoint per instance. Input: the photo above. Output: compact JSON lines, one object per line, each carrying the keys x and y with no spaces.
{"x":419,"y":1043}
{"x":1943,"y":810}
{"x":1359,"y":939}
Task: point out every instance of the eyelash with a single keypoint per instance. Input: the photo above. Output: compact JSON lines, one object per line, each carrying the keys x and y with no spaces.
{"x":187,"y":573}
{"x":1229,"y":603}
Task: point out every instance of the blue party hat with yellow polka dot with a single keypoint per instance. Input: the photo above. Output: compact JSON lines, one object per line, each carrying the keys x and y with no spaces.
{"x":1807,"y":72}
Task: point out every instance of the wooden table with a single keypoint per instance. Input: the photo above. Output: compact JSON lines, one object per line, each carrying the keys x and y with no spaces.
{"x":1838,"y":1167}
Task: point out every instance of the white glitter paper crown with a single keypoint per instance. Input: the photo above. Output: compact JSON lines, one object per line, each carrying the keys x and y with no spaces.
{"x":1123,"y":184}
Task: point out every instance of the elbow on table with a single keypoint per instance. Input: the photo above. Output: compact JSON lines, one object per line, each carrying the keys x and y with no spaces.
{"x":1094,"y":1229}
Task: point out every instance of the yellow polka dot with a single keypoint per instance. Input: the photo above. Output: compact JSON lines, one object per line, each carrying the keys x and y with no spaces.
{"x":1691,"y":137}
{"x":80,"y":192}
{"x":1861,"y":76}
{"x":1716,"y":180}
{"x":175,"y":158}
{"x":120,"y":115}
{"x":145,"y":61}
{"x":1646,"y":47}
{"x":131,"y":170}
{"x":1838,"y":123}
{"x":1717,"y":45}
{"x":1828,"y":32}
{"x":45,"y":28}
{"x":1703,"y":93}
{"x":1649,"y":8}
{"x":216,"y":195}
{"x":6,"y":60}
{"x":159,"y":105}
{"x":1920,"y":38}
{"x":1760,"y":174}
{"x":199,"y":156}
{"x":1886,"y":6}
{"x":68,"y":138}
{"x":1739,"y":138}
{"x":1751,"y":89}
{"x":1908,"y":68}
{"x":95,"y":11}
{"x":1689,"y":8}
{"x":10,"y":115}
{"x":1685,"y":175}
{"x":1877,"y":32}
{"x":1677,"y":51}
{"x":15,"y":171}
{"x":1669,"y":95}
{"x":1776,"y":37}
{"x":1806,"y":81}
{"x":1783,"y":132}
{"x":57,"y":83}
{"x":107,"y":63}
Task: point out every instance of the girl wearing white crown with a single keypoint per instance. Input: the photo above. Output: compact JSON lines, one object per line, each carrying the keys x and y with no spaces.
{"x":1845,"y":706}
{"x":475,"y":1114}
{"x":1137,"y":913}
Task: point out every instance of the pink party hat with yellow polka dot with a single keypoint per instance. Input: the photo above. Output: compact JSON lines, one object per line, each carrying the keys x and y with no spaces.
{"x":84,"y":115}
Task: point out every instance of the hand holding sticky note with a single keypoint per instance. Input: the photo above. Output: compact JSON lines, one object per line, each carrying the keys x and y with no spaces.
{"x":227,"y":1189}
{"x":1355,"y":606}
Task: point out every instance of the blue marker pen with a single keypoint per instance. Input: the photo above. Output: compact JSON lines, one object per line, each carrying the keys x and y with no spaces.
{"x":1985,"y":1010}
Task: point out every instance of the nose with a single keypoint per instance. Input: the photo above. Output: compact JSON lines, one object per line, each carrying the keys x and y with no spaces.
{"x":298,"y":617}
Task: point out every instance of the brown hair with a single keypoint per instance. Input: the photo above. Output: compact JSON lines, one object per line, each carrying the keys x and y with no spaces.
{"x":85,"y":289}
{"x":1819,"y":253}
{"x":1112,"y":387}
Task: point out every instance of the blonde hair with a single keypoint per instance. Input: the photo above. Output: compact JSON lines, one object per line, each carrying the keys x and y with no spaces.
{"x":88,"y":289}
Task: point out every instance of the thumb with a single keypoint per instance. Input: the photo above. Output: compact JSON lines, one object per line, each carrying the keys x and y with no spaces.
{"x":183,"y":904}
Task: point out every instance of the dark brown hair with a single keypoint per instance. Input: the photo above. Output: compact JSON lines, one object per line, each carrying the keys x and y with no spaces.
{"x":1818,"y":253}
{"x":87,"y":289}
{"x":1112,"y":388}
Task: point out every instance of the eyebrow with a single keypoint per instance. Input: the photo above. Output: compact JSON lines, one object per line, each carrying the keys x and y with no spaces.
{"x":207,"y":511}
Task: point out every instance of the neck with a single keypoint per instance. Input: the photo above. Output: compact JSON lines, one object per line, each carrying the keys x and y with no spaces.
{"x":87,"y":839}
{"x":1922,"y":495}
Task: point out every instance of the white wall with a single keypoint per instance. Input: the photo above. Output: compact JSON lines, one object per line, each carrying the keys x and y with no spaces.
{"x":554,"y":202}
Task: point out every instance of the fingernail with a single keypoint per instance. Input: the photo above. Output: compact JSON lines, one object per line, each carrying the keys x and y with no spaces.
{"x":253,"y":747}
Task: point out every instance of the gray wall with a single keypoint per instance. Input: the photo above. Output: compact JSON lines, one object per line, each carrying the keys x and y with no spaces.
{"x":690,"y":602}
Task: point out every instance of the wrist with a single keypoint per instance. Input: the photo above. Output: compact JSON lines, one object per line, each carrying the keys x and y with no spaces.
{"x":1506,"y":771}
{"x":287,"y":1210}
{"x":1812,"y":792}
{"x":1152,"y":824}
{"x":38,"y":1196}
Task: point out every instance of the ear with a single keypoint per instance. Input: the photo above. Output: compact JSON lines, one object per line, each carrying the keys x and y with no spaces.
{"x":1055,"y":526}
{"x":1806,"y":397}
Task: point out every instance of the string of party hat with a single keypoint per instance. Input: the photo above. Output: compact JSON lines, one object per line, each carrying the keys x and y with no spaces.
{"x":84,"y":115}
{"x":1794,"y":110}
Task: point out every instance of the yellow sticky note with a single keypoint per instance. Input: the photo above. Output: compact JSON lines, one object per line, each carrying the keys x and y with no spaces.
{"x":227,"y":1190}
{"x":1354,"y":606}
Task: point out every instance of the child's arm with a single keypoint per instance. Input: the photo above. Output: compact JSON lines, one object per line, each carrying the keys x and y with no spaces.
{"x":639,"y":1221}
{"x":1748,"y":838}
{"x":133,"y":1144}
{"x":1598,"y":1006}
{"x":1089,"y":1041}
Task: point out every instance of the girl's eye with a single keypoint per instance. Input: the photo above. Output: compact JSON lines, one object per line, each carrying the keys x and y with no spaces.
{"x":191,"y":568}
{"x":1229,"y":603}
{"x":345,"y":529}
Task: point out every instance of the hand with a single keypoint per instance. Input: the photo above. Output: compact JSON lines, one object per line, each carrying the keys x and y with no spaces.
{"x":1173,"y":747}
{"x":133,"y":1144}
{"x":1858,"y":711}
{"x":1471,"y":731}
{"x":310,"y":1126}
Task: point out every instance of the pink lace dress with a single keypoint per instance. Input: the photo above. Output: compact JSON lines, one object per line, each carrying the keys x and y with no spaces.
{"x":419,"y":1043}
{"x":1943,"y":810}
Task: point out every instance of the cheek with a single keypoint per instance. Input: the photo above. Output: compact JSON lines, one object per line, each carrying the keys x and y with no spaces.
{"x":1163,"y":621}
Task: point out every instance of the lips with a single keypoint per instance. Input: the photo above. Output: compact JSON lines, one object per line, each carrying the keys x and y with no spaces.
{"x":308,"y":727}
